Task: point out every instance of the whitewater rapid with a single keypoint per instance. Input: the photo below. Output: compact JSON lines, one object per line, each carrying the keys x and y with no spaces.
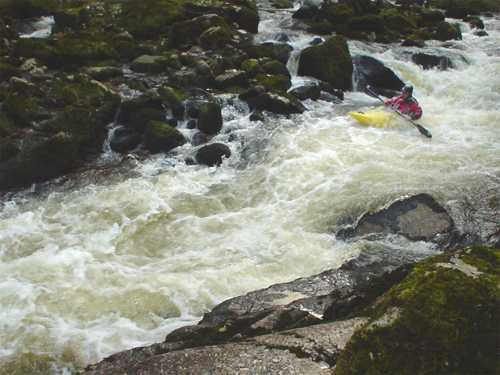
{"x":89,"y":271}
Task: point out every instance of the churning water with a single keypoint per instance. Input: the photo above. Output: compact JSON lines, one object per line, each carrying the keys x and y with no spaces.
{"x":89,"y":271}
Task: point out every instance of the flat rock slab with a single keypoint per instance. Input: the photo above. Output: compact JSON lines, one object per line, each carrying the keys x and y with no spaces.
{"x":418,"y":218}
{"x":306,"y":351}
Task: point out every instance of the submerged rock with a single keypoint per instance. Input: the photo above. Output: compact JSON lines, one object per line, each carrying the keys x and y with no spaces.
{"x":427,"y":61}
{"x":419,"y":218}
{"x":312,"y":91}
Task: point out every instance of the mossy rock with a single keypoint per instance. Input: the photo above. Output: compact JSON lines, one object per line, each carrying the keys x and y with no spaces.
{"x":188,"y":32}
{"x":161,"y":137}
{"x":22,"y":108}
{"x":104,"y":73}
{"x":149,"y":19}
{"x":369,"y":22}
{"x":251,"y":67}
{"x":216,"y":37}
{"x":337,"y":13}
{"x":274,"y":83}
{"x":442,"y":319}
{"x":429,"y":17}
{"x":447,"y":31}
{"x":245,"y":14}
{"x":330,"y":62}
{"x":210,"y":118}
{"x":274,"y":51}
{"x":7,"y":71}
{"x":173,"y":98}
{"x":395,"y":20}
{"x":475,"y":22}
{"x":6,"y":125}
{"x":149,"y":64}
{"x":8,"y":149}
{"x":28,"y":8}
{"x":81,"y":50}
{"x":275,"y":67}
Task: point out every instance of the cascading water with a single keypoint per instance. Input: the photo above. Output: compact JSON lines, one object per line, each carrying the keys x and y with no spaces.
{"x":91,"y":271}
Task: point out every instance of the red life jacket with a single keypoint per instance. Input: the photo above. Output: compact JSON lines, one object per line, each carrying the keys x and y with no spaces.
{"x":408,"y":106}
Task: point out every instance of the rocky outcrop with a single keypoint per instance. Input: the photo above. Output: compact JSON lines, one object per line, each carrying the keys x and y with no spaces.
{"x":258,"y":99}
{"x":419,"y":218}
{"x":210,"y":118}
{"x":330,"y":62}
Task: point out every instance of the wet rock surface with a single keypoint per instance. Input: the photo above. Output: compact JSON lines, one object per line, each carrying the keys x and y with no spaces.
{"x":419,"y":218}
{"x":372,"y":72}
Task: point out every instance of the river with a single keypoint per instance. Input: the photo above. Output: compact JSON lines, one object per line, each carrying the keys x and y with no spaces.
{"x":89,"y":271}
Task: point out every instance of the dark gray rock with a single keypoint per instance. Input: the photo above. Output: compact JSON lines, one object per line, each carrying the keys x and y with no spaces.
{"x":149,"y":64}
{"x":413,"y":43}
{"x":427,"y":61}
{"x":279,"y":104}
{"x":124,"y":139}
{"x":213,"y":154}
{"x":275,"y":51}
{"x":231,"y":78}
{"x":200,"y":138}
{"x":312,"y":91}
{"x":372,"y":72}
{"x":418,"y":218}
{"x":257,"y":116}
{"x":481,"y":33}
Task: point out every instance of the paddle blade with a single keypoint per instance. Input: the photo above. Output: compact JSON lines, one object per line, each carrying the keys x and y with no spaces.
{"x":423,"y":131}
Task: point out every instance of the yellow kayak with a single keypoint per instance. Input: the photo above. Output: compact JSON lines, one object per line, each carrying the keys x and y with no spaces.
{"x":376,"y":118}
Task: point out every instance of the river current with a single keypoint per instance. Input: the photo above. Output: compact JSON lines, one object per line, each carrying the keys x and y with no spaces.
{"x":101,"y":267}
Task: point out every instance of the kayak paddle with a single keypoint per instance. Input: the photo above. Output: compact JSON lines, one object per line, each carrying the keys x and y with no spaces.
{"x":420,"y":128}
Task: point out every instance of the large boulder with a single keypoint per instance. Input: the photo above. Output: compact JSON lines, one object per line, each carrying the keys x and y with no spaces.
{"x":161,"y":137}
{"x":418,"y":218}
{"x":124,"y":139}
{"x":369,"y":71}
{"x":330,"y":62}
{"x":210,"y":118}
{"x":212,"y":154}
{"x":442,"y":319}
{"x":447,"y":31}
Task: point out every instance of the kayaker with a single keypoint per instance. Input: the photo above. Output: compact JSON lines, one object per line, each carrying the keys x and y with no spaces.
{"x":406,"y":103}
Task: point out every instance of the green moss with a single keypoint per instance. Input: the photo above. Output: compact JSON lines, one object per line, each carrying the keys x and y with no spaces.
{"x":146,"y":19}
{"x":161,"y":137}
{"x":445,"y":321}
{"x":23,"y":109}
{"x":250,"y":66}
{"x":275,"y":83}
{"x":282,"y":4}
{"x":395,"y":20}
{"x":331,"y":62}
